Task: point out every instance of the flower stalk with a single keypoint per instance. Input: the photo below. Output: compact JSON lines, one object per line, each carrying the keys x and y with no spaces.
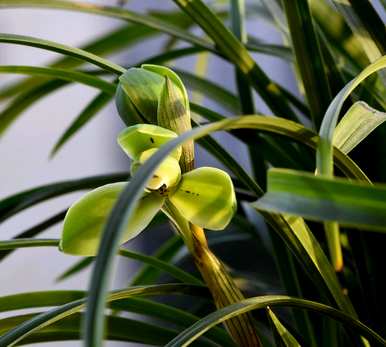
{"x":173,"y":113}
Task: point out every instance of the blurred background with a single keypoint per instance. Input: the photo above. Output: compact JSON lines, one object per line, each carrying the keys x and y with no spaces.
{"x":25,"y":148}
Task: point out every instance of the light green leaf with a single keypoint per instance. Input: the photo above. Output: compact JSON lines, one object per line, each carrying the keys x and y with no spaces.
{"x":206,"y":198}
{"x":64,"y":49}
{"x":138,"y":138}
{"x":64,"y":74}
{"x":85,"y":219}
{"x":358,"y":122}
{"x":286,"y":337}
{"x":324,"y":157}
{"x":351,"y":203}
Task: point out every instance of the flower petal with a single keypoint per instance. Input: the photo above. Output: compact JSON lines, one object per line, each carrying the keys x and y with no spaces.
{"x":85,"y":219}
{"x":206,"y":198}
{"x":141,"y":137}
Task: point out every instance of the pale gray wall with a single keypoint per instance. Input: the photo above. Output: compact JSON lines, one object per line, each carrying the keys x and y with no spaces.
{"x":25,"y":148}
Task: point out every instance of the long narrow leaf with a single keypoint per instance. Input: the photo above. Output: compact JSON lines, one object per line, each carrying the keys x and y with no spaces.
{"x":67,"y":75}
{"x":42,"y":320}
{"x":199,"y":328}
{"x":309,"y":58}
{"x":64,"y":49}
{"x":114,"y":12}
{"x":117,"y":328}
{"x":18,"y":202}
{"x":161,"y":265}
{"x":92,"y":108}
{"x":236,"y":52}
{"x":325,"y":199}
{"x":358,"y":122}
{"x":25,"y":99}
{"x":286,"y":338}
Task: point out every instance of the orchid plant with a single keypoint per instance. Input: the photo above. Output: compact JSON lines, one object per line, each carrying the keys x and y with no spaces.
{"x":308,"y":230}
{"x":204,"y":196}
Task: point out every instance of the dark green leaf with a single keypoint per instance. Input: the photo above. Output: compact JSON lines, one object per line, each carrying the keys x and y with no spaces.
{"x":199,"y":328}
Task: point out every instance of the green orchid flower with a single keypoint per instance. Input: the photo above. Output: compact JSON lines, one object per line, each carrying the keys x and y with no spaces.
{"x":204,"y":196}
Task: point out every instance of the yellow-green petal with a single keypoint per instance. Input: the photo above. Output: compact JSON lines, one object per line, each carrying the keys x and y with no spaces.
{"x":85,"y":219}
{"x":138,"y":138}
{"x":206,"y":198}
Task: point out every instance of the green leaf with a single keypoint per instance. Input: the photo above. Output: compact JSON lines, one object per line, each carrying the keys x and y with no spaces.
{"x":117,"y":329}
{"x":24,"y":100}
{"x":221,"y":315}
{"x":108,"y":43}
{"x":238,"y":19}
{"x":213,"y":147}
{"x":206,"y":197}
{"x":324,"y":156}
{"x":309,"y":58}
{"x":89,"y":112}
{"x":64,"y":49}
{"x":28,"y":327}
{"x":76,"y":268}
{"x":141,"y":306}
{"x":217,"y":93}
{"x":303,"y":244}
{"x":351,"y":203}
{"x":67,"y":75}
{"x":24,"y":243}
{"x":18,"y":202}
{"x":161,"y":265}
{"x":152,"y":261}
{"x":286,"y":339}
{"x":85,"y":219}
{"x":166,"y":252}
{"x":35,"y":230}
{"x":172,"y":315}
{"x":325,"y":148}
{"x":358,"y":122}
{"x":237,"y":53}
{"x":114,"y":12}
{"x":324,"y":153}
{"x":358,"y":16}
